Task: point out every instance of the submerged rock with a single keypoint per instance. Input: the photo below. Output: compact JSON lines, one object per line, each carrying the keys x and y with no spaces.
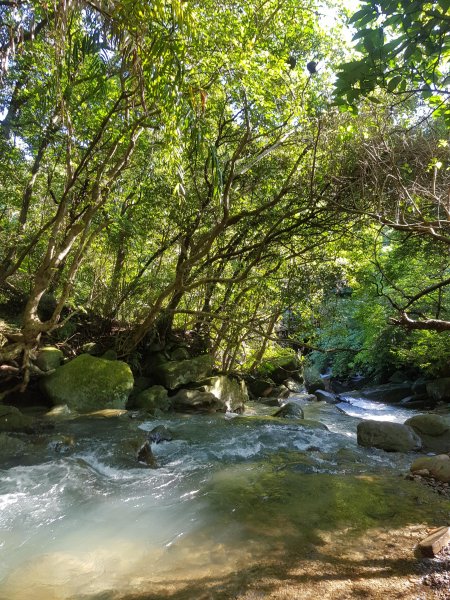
{"x":87,"y":383}
{"x":393,"y":437}
{"x":291,"y":410}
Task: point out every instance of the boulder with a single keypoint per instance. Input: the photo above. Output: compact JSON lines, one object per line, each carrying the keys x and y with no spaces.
{"x":260,"y":388}
{"x":438,"y":466}
{"x":11,"y":447}
{"x":393,"y":437}
{"x":327,"y":397}
{"x":429,"y":424}
{"x":291,"y":410}
{"x":110,"y":354}
{"x":48,"y":358}
{"x":197,"y":401}
{"x":173,"y":374}
{"x":152,"y":399}
{"x":439,"y":389}
{"x":294,"y":386}
{"x":419,"y":387}
{"x":87,"y":383}
{"x":313,"y":380}
{"x":434,"y":431}
{"x":11,"y":419}
{"x":231,"y":391}
{"x":389,"y":392}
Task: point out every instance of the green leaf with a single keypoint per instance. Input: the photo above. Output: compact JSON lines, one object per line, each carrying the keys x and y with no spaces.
{"x":393,"y":83}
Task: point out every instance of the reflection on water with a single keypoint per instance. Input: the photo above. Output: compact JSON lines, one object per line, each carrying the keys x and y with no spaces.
{"x":230,"y":496}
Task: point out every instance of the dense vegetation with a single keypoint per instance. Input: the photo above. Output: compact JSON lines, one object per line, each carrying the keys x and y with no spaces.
{"x":229,"y":170}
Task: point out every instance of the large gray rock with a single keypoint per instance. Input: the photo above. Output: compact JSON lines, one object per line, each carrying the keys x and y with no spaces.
{"x":48,"y":358}
{"x":173,"y":374}
{"x":291,"y":410}
{"x":87,"y":383}
{"x":389,"y":392}
{"x":439,"y":389}
{"x":437,"y":466}
{"x":433,"y":430}
{"x":393,"y":437}
{"x":197,"y":401}
{"x":11,"y":419}
{"x":231,"y":391}
{"x":429,"y":424}
{"x":260,"y":388}
{"x":152,"y":399}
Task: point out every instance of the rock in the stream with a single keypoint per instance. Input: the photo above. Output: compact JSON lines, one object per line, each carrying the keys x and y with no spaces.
{"x":11,"y":419}
{"x":173,"y":374}
{"x":152,"y":399}
{"x":87,"y":383}
{"x":434,"y":431}
{"x":145,"y":455}
{"x":160,"y":434}
{"x":196,"y":400}
{"x":437,"y":466}
{"x":230,"y":391}
{"x":388,"y":392}
{"x":328,"y":397}
{"x":260,"y":388}
{"x":291,"y":410}
{"x":393,"y":437}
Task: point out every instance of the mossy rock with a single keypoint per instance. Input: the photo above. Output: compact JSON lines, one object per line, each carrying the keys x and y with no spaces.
{"x":291,"y":410}
{"x":49,"y":358}
{"x":152,"y":398}
{"x":392,"y":437}
{"x":11,"y":419}
{"x":429,"y":424}
{"x":87,"y":383}
{"x":173,"y":374}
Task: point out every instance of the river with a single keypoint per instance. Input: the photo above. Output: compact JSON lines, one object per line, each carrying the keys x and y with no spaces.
{"x":239,"y":507}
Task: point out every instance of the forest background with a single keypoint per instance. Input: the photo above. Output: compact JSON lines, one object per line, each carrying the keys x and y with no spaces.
{"x":235,"y":173}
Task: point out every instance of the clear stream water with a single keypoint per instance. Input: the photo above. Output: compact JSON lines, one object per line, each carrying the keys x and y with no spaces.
{"x":81,"y":519}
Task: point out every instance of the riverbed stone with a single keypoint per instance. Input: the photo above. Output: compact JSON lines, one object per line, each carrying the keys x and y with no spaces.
{"x":152,"y":399}
{"x":291,"y":410}
{"x":197,"y":401}
{"x":392,"y":437}
{"x":11,"y":419}
{"x":87,"y":383}
{"x":173,"y":374}
{"x":438,"y":466}
{"x":439,"y":389}
{"x":48,"y":358}
{"x":260,"y":388}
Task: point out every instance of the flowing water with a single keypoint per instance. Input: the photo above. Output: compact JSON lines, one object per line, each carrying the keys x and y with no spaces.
{"x":236,"y":502}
